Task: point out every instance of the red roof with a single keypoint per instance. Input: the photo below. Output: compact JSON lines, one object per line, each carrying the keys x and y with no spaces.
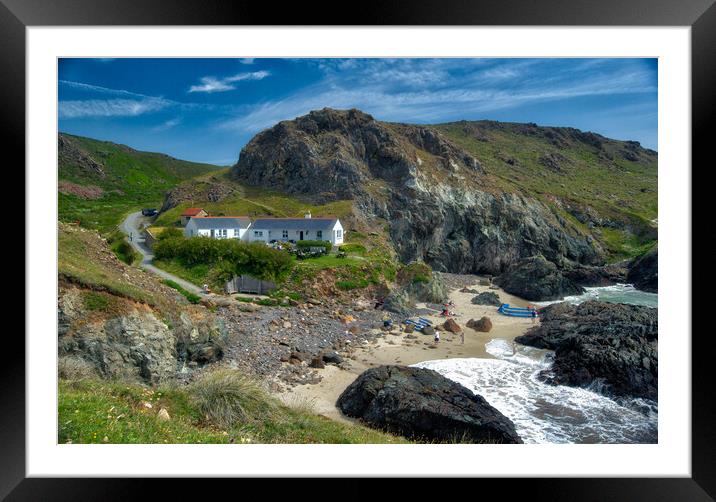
{"x":192,"y":211}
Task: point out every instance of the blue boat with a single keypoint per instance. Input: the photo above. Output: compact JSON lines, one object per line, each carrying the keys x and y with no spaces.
{"x":505,"y":309}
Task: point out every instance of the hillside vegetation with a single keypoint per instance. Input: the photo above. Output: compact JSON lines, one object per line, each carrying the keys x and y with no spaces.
{"x":95,"y":411}
{"x":604,"y":186}
{"x":101,"y":181}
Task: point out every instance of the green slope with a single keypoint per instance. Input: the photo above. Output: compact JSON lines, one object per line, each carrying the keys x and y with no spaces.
{"x":607,"y":187}
{"x":100,"y":181}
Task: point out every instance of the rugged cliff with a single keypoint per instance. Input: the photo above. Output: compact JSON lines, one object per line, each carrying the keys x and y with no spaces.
{"x":442,"y":205}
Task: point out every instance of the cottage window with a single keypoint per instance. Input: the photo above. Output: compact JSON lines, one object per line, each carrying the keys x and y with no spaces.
{"x":285,"y":234}
{"x":319,"y":234}
{"x":258,"y":233}
{"x":339,"y":234}
{"x":223,"y":233}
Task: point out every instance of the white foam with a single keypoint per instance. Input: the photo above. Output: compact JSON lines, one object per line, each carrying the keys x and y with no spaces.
{"x":617,"y":293}
{"x":545,"y":413}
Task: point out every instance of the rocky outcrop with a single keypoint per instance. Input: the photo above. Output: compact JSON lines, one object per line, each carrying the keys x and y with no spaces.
{"x":644,"y":271}
{"x":487,"y":298}
{"x":609,"y":347}
{"x":441,"y":208}
{"x":402,"y":299}
{"x":537,"y":279}
{"x":129,"y":340}
{"x":606,"y":275}
{"x":484,"y":324}
{"x":422,"y":404}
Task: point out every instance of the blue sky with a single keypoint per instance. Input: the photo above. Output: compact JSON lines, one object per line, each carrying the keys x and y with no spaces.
{"x":207,"y":109}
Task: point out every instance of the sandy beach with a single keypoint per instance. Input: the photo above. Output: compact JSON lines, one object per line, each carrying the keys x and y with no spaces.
{"x":399,"y":349}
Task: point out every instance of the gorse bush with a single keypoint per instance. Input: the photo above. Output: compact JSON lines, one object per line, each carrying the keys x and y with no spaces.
{"x":225,"y":397}
{"x":228,"y":256}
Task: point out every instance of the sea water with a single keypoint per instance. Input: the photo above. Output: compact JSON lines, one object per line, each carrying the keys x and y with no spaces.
{"x":618,"y":293}
{"x":544,"y":413}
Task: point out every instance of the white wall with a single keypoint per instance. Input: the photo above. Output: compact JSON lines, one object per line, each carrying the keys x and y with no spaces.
{"x":337,"y":241}
{"x":231,"y":233}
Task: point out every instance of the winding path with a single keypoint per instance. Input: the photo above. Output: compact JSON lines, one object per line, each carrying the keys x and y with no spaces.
{"x":132,"y":227}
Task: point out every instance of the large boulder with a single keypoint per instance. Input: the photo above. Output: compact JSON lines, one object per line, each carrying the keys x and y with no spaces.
{"x":606,"y":346}
{"x":483,"y":324}
{"x":644,"y":271}
{"x":487,"y":298}
{"x":451,"y":326}
{"x":422,"y":404}
{"x":537,"y":279}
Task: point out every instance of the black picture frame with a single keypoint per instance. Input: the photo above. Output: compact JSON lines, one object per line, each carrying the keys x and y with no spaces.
{"x":700,"y":15}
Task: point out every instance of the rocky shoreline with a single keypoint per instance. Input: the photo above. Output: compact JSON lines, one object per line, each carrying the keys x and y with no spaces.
{"x":609,"y":347}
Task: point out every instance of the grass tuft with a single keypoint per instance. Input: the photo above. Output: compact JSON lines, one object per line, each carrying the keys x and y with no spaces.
{"x":226,"y":397}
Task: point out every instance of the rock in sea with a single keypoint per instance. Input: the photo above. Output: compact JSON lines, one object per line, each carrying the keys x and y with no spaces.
{"x":421,"y":404}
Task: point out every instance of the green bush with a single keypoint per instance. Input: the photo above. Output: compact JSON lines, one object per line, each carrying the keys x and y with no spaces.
{"x":353,"y":248}
{"x":309,"y":244}
{"x":352,"y":284}
{"x":95,"y":301}
{"x":169,"y":233}
{"x":244,"y":299}
{"x":225,"y":397}
{"x":232,"y":257}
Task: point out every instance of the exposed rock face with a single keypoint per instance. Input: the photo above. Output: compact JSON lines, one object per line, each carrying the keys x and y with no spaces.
{"x":644,"y":271}
{"x":432,"y":192}
{"x":537,"y":279}
{"x":133,"y":341}
{"x":606,"y":275}
{"x":612,"y":347}
{"x":422,"y":404}
{"x":135,"y":345}
{"x":484,"y":324}
{"x":487,"y":298}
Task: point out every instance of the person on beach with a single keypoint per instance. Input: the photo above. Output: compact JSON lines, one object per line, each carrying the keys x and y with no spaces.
{"x":462,"y":337}
{"x":534,"y":314}
{"x":437,"y":337}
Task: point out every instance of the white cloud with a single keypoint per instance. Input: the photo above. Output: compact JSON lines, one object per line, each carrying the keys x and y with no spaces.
{"x":167,"y":125}
{"x":442,"y":94}
{"x":246,"y":60}
{"x":110,"y":107}
{"x":213,"y":84}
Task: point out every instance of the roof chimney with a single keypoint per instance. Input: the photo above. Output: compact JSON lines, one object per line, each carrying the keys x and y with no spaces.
{"x":307,"y":215}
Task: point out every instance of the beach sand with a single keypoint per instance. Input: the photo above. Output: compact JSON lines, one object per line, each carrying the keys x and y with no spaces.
{"x":392,"y":349}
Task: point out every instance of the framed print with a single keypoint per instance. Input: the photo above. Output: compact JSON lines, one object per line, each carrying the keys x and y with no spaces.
{"x":422,"y":244}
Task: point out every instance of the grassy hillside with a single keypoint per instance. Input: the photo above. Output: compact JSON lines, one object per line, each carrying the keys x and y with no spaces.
{"x":100,"y":181}
{"x":92,"y":411}
{"x":584,"y":176}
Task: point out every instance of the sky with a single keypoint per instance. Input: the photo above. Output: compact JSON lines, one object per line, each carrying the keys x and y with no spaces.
{"x":206,"y":110}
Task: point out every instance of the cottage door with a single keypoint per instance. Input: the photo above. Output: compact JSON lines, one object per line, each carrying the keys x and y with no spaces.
{"x":301,"y":236}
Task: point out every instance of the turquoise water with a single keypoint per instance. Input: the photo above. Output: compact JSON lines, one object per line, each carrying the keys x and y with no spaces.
{"x":619,"y":293}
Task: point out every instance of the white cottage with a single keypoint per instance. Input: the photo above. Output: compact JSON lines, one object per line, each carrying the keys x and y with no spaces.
{"x":218,"y":227}
{"x":297,"y":229}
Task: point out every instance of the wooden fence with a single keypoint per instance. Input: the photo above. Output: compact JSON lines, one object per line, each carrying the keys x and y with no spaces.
{"x":248,"y":284}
